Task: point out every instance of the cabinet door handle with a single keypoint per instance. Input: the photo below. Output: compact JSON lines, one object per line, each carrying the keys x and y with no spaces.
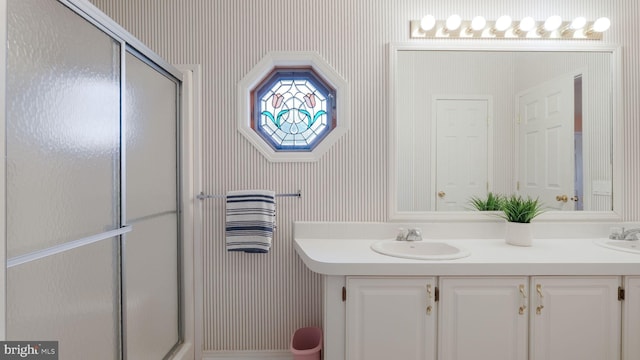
{"x":429,"y":300}
{"x":523,"y":300}
{"x":540,"y":298}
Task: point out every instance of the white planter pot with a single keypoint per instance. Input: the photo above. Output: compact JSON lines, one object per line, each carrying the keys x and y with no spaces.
{"x":518,"y":234}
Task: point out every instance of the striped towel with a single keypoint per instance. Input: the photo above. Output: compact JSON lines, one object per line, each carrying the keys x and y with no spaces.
{"x":251,"y":218}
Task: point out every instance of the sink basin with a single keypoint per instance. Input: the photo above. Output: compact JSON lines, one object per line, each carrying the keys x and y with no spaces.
{"x":421,"y":250}
{"x":632,"y":246}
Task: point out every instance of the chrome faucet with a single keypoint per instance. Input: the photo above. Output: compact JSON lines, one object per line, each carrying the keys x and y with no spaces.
{"x":631,"y":234}
{"x":402,"y":235}
{"x":413,"y":234}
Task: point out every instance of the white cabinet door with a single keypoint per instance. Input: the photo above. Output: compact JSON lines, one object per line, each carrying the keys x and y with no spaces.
{"x":631,"y":319}
{"x":390,"y":318}
{"x":575,"y":318}
{"x":483,"y":318}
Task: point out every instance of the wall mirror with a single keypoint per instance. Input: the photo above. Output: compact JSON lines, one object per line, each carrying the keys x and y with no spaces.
{"x":532,"y":118}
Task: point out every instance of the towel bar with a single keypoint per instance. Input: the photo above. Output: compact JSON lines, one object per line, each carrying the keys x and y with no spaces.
{"x":203,"y":196}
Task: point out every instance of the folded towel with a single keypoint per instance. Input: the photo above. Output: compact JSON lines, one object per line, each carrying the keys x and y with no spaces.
{"x":251,"y":218}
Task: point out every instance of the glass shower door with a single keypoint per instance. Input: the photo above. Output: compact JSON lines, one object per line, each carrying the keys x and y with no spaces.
{"x":63,"y":185}
{"x":92,"y":189}
{"x":150,"y":251}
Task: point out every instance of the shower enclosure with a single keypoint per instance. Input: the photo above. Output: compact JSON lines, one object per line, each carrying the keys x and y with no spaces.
{"x":92,"y":179}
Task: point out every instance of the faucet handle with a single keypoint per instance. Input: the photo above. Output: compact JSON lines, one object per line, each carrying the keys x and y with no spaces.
{"x":402,"y":235}
{"x":414,"y":234}
{"x":615,"y":233}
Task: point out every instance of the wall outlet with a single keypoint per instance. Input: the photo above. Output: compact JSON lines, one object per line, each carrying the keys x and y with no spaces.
{"x":601,"y":187}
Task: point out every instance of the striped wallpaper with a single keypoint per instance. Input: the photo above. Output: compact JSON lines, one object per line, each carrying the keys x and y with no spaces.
{"x":256,"y":301}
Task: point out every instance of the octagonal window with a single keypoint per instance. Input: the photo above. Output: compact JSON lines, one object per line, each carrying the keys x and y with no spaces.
{"x":294,"y":109}
{"x":293,"y":106}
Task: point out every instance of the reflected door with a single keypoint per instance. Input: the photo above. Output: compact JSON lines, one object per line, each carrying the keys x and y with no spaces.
{"x":461,"y":153}
{"x":546,"y":143}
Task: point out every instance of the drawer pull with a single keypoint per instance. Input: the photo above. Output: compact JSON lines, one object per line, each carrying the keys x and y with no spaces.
{"x":540,"y":298}
{"x":523,"y":300}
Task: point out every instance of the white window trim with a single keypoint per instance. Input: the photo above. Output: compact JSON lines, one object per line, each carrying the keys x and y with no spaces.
{"x":281,"y":59}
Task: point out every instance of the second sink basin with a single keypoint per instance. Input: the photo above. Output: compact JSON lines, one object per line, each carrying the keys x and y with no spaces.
{"x":421,"y":250}
{"x":632,"y":246}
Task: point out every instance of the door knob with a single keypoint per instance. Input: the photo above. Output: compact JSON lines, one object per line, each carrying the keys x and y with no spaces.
{"x":441,"y":194}
{"x":563,"y":198}
{"x":575,"y":198}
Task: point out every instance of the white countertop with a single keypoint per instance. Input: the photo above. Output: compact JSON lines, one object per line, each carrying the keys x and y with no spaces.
{"x":550,"y":256}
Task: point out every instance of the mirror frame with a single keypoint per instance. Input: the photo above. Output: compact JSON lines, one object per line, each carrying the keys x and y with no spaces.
{"x":394,"y":214}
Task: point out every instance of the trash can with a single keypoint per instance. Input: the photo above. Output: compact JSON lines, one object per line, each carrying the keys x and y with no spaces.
{"x":306,"y":343}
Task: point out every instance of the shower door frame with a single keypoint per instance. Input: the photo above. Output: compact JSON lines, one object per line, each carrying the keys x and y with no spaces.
{"x":3,"y":187}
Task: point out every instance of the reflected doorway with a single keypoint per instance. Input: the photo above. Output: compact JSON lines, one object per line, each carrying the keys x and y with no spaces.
{"x":549,"y":169}
{"x":462,"y":154}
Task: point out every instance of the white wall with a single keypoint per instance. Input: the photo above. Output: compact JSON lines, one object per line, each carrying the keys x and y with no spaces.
{"x":256,"y":301}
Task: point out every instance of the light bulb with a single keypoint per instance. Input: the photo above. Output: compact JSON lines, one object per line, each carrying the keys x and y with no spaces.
{"x":428,"y":22}
{"x":553,"y":23}
{"x":601,"y":24}
{"x":453,"y":22}
{"x":478,"y":23}
{"x":578,"y":23}
{"x":503,"y":23}
{"x":527,"y":24}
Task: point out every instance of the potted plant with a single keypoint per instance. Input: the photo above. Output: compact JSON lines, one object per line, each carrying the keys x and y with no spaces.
{"x":493,"y":202}
{"x":519,"y":212}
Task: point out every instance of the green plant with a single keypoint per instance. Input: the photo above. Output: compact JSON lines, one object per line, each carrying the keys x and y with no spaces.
{"x":493,"y":202}
{"x":520,"y":210}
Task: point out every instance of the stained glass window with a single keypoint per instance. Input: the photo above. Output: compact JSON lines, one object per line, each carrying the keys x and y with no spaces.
{"x":293,"y":109}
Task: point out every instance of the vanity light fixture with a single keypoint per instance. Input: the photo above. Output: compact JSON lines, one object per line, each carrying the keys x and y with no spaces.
{"x":506,"y":28}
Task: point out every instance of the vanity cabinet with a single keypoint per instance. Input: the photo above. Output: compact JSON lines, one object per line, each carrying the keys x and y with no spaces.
{"x":575,"y":318}
{"x":391,"y":318}
{"x":483,"y":318}
{"x":498,"y":318}
{"x":631,"y":319}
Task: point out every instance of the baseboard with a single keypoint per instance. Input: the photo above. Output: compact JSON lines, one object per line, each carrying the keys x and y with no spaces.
{"x":185,"y":352}
{"x":247,"y":355}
